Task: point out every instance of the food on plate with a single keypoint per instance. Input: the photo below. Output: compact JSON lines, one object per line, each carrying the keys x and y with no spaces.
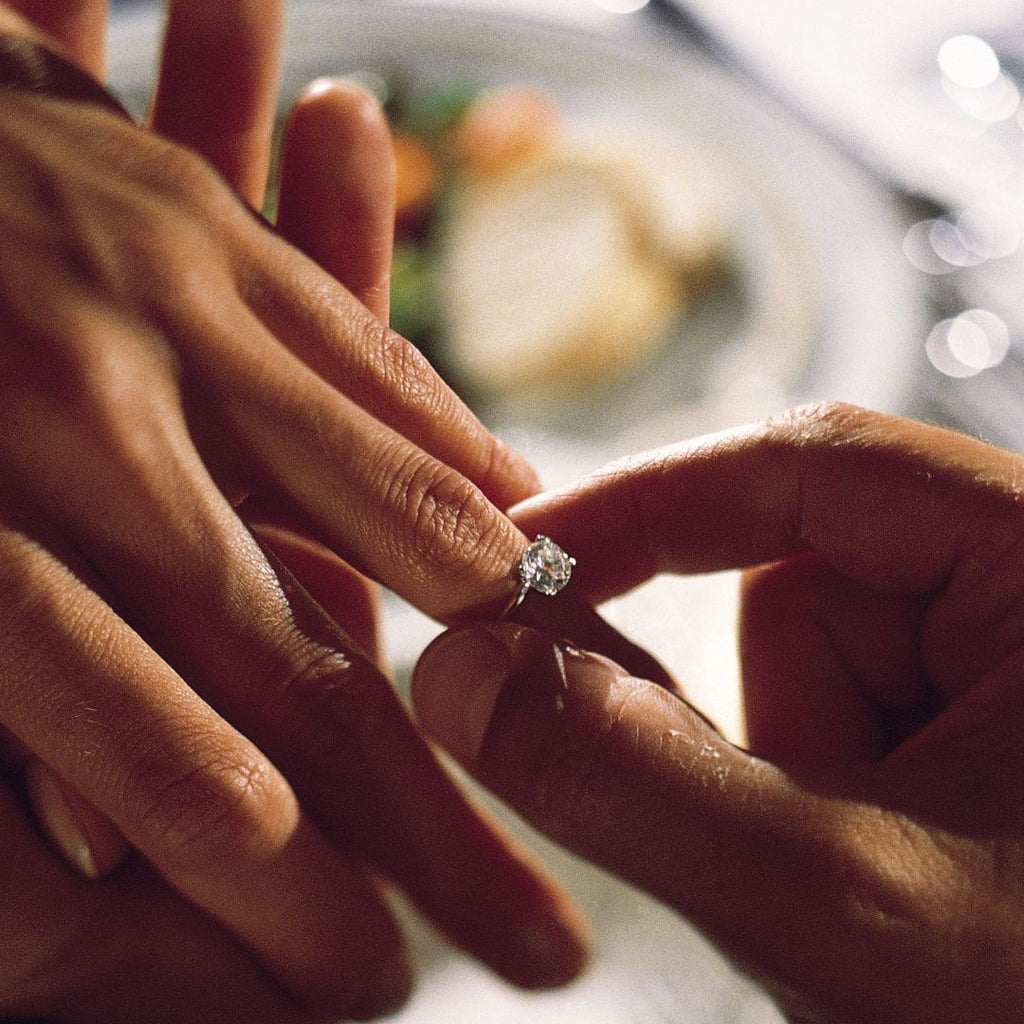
{"x":417,"y":180}
{"x":501,"y":130}
{"x":538,"y":253}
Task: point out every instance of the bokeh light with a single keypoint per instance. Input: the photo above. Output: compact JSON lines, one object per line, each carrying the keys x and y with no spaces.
{"x":969,"y":62}
{"x":990,"y":231}
{"x":964,"y":345}
{"x":973,"y":236}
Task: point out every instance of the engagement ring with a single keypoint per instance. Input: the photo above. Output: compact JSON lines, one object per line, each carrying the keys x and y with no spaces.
{"x":544,"y":567}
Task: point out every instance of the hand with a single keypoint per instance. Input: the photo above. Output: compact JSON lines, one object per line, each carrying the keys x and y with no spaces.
{"x":166,"y":361}
{"x":125,"y":949}
{"x":864,"y":858}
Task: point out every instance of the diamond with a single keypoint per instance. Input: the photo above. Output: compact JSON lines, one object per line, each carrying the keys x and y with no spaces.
{"x":545,"y":567}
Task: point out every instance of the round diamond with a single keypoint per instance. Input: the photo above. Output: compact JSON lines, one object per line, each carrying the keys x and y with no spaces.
{"x":545,"y":567}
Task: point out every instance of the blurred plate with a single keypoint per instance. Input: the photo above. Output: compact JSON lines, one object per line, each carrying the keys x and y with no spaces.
{"x":821,"y":304}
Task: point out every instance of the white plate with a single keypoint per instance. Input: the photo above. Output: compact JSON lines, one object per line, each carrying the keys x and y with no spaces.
{"x":826,"y":307}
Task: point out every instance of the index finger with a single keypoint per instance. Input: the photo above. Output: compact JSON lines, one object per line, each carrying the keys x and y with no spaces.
{"x":886,"y":501}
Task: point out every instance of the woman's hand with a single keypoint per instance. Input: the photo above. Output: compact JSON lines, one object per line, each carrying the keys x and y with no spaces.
{"x":128,"y":948}
{"x":865,"y":858}
{"x":173,"y":371}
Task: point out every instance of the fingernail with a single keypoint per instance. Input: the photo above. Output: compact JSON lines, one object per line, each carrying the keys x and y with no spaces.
{"x":86,"y":839}
{"x":56,"y":820}
{"x":456,"y":686}
{"x":319,"y":86}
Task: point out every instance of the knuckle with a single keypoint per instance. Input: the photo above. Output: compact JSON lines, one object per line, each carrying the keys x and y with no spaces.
{"x":812,"y":445}
{"x":427,"y":400}
{"x":178,"y":174}
{"x":819,"y":423}
{"x":175,"y":218}
{"x":111,"y":377}
{"x":449,"y":524}
{"x":314,"y":688}
{"x":100,"y":379}
{"x":883,"y":874}
{"x":235,"y":805}
{"x":170,"y":218}
{"x":899,"y":883}
{"x":408,"y":374}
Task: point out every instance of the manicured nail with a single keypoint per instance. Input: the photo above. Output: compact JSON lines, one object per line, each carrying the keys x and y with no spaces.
{"x":456,"y":686}
{"x":345,"y":89}
{"x":87,"y":840}
{"x":56,"y":820}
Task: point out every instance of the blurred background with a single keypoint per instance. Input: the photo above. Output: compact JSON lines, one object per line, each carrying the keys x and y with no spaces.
{"x":625,"y":223}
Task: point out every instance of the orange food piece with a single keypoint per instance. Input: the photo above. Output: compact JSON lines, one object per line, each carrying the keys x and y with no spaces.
{"x":417,"y":180}
{"x":505,"y":128}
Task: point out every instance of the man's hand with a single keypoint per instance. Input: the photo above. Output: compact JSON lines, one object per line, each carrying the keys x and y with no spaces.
{"x":864,"y":858}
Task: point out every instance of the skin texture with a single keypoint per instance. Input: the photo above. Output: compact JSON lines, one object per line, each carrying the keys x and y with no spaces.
{"x":76,"y":27}
{"x":863,"y":859}
{"x":202,"y":426}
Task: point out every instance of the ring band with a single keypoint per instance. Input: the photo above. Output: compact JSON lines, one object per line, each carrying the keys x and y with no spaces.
{"x":543,"y":567}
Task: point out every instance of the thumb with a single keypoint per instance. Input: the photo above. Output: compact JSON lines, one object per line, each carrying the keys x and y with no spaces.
{"x":630,"y":777}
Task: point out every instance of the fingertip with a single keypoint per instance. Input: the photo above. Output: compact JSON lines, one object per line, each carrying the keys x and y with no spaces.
{"x":337,"y":199}
{"x":340,"y":96}
{"x":217,"y":88}
{"x":557,"y":950}
{"x":456,"y":685}
{"x":471,"y":677}
{"x":514,"y":479}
